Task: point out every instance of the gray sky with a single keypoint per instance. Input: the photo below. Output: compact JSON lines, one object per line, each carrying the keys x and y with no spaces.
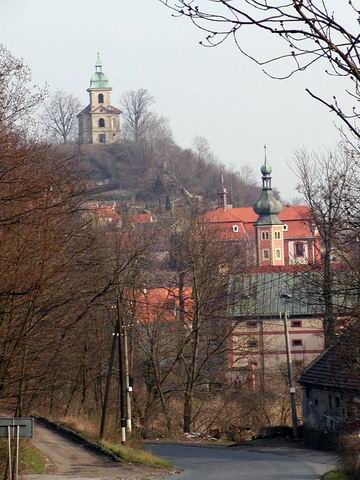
{"x":216,"y":93}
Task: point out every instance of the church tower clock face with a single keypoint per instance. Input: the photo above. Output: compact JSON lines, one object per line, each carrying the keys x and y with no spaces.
{"x":99,"y":122}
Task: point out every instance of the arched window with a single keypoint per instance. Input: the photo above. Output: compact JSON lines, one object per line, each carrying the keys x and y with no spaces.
{"x":101,"y":98}
{"x":101,"y":123}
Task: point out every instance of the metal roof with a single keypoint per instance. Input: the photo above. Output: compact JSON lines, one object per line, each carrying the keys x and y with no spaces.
{"x":259,"y":294}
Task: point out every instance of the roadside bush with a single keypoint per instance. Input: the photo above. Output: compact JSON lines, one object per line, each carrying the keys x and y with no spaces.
{"x":350,"y":456}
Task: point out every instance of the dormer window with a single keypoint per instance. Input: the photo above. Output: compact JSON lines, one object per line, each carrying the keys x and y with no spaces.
{"x":101,"y":98}
{"x":101,"y":123}
{"x":235,"y":228}
{"x":285,"y":227}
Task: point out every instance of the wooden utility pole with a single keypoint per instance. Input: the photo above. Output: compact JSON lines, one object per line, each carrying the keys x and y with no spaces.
{"x":292,"y":390}
{"x":127,"y":381}
{"x":107,"y":385}
{"x":122,"y":383}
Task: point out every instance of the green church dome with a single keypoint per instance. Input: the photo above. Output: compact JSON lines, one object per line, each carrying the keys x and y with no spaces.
{"x":99,"y":79}
{"x":267,"y":207}
{"x":266,"y":168}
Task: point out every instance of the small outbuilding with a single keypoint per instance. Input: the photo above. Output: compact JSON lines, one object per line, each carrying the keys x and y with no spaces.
{"x":331,"y":385}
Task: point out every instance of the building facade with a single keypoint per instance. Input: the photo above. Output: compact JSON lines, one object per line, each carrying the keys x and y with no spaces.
{"x":256,"y":321}
{"x":282,"y":235}
{"x":99,"y":122}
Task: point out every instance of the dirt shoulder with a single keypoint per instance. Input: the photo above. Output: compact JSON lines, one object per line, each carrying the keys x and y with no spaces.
{"x":68,"y":459}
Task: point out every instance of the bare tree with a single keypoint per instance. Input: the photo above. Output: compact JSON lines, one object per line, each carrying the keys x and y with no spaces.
{"x":308,"y":32}
{"x":59,"y":119}
{"x":141,"y":123}
{"x":202,"y":150}
{"x":18,"y":98}
{"x":329,"y":186}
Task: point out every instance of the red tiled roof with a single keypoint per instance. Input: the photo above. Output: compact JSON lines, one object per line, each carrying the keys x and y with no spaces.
{"x":297,"y":218}
{"x":161,"y":304}
{"x":104,"y":212}
{"x":146,"y":217}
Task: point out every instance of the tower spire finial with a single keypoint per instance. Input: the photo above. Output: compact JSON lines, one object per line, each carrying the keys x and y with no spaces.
{"x":221,"y":178}
{"x":98,"y":64}
{"x":222,"y":193}
{"x":265,"y":153}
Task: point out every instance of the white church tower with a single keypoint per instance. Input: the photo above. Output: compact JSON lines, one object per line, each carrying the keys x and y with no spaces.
{"x":99,"y":122}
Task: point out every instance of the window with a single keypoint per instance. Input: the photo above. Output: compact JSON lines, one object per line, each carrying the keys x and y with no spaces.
{"x":316,"y":401}
{"x":308,"y":390}
{"x":101,"y":123}
{"x":277,"y":253}
{"x":264,"y":235}
{"x":235,"y":228}
{"x":266,"y":254}
{"x":250,"y":324}
{"x":101,"y":98}
{"x":297,"y":343}
{"x":337,"y":402}
{"x":296,"y":323}
{"x":277,"y":235}
{"x":102,"y":138}
{"x":252,"y":343}
{"x":330,"y":401}
{"x":285,"y":227}
{"x":299,"y":249}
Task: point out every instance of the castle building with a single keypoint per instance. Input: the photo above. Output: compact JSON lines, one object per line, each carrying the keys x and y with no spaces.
{"x":284,"y":244}
{"x":99,"y":122}
{"x":283,"y":236}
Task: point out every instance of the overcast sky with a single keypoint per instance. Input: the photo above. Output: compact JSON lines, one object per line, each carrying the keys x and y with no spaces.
{"x":216,"y":93}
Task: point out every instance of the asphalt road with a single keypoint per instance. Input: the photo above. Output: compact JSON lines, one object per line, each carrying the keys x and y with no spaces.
{"x":245,"y":462}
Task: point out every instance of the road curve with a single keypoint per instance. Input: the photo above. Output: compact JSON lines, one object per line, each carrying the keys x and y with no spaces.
{"x":245,"y":462}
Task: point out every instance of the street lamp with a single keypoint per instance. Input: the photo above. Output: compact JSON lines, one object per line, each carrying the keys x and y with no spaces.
{"x":292,"y":389}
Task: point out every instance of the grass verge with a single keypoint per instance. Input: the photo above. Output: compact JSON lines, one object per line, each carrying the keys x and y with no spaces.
{"x":136,"y":455}
{"x":335,"y":475}
{"x":31,"y":460}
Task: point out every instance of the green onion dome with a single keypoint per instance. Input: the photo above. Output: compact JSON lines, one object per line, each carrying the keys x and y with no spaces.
{"x":267,"y":207}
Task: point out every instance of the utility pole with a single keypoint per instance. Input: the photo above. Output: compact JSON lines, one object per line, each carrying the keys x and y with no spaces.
{"x":262,"y":361}
{"x":292,"y":389}
{"x":127,"y":382}
{"x":122,"y":383}
{"x":107,"y":385}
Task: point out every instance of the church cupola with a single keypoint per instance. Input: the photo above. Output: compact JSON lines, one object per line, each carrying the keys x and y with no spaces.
{"x":269,"y":228}
{"x":99,"y":122}
{"x":99,"y":80}
{"x":222,"y":193}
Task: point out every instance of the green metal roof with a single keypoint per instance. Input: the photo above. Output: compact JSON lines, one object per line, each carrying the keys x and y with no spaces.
{"x":267,"y":207}
{"x":266,"y":168}
{"x":258,"y":294}
{"x":99,"y":79}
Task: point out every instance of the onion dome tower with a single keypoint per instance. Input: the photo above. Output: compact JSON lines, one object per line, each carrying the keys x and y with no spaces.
{"x":268,"y":227}
{"x":99,"y":122}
